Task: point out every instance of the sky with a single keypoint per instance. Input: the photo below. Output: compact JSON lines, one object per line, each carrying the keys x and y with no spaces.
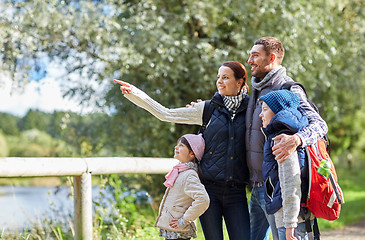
{"x":45,"y":95}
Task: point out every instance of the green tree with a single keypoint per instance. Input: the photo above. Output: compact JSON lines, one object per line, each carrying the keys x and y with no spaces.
{"x":8,"y":124}
{"x":4,"y":151}
{"x":172,"y":50}
{"x":87,"y":134}
{"x":34,"y":119}
{"x":36,"y":143}
{"x":58,"y":123}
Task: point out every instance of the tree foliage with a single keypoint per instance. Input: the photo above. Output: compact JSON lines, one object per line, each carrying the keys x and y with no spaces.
{"x":63,"y":134}
{"x":172,"y":50}
{"x":34,"y":119}
{"x":4,"y":150}
{"x":36,"y":143}
{"x":8,"y":124}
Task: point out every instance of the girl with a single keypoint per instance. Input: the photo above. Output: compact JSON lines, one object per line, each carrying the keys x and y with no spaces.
{"x":185,"y":198}
{"x":224,"y":170}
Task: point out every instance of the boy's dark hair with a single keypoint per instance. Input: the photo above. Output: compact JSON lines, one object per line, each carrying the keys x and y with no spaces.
{"x":272,"y":45}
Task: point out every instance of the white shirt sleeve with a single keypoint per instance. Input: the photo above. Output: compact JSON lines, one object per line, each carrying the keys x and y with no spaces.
{"x":184,"y":115}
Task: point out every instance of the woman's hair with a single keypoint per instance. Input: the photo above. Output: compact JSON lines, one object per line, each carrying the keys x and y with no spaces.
{"x":239,"y":72}
{"x":186,"y":143}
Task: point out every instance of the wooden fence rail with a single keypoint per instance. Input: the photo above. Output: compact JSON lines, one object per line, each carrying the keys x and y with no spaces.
{"x":82,"y":169}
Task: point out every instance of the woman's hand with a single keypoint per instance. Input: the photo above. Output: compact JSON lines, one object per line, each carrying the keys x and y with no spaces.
{"x":126,"y":88}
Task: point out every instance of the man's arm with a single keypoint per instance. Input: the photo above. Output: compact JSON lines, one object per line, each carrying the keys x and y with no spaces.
{"x":316,"y":129}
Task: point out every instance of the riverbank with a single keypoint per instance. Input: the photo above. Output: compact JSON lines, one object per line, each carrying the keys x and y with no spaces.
{"x":34,"y":181}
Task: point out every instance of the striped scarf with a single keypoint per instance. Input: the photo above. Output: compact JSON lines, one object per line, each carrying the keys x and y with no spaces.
{"x":232,"y":103}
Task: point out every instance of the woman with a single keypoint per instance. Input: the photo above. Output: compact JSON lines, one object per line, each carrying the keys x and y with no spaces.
{"x":224,"y":170}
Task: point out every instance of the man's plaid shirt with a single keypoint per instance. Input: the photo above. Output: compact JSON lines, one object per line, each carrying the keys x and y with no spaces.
{"x":317,"y":127}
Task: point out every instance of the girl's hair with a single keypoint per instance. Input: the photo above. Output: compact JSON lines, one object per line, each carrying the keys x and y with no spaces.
{"x":186,"y":143}
{"x":239,"y":72}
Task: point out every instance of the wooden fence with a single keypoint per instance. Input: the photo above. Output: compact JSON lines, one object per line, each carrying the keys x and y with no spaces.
{"x":82,"y":169}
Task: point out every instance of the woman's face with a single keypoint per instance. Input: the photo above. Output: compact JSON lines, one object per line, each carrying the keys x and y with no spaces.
{"x":182,"y":153}
{"x":227,"y":84}
{"x":266,"y":114}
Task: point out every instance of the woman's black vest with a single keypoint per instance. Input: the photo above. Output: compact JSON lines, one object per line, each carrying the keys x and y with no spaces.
{"x":224,"y":156}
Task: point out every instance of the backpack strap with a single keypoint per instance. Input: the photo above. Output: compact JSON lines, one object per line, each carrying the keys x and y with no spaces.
{"x":207,"y":114}
{"x":313,"y":233}
{"x":316,"y":233}
{"x":288,"y":85}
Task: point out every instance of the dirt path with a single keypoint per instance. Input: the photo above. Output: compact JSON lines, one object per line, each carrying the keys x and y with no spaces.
{"x":353,"y":232}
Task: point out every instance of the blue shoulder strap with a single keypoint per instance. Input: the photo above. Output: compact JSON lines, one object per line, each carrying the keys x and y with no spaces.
{"x":207,"y":114}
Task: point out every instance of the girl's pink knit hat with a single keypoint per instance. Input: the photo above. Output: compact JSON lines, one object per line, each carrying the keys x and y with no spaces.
{"x":197,"y":144}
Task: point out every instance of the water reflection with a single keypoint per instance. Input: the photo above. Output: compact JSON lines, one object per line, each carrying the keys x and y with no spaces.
{"x":23,"y":206}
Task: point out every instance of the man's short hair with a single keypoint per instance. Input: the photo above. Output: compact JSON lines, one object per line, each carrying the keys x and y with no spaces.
{"x":272,"y":45}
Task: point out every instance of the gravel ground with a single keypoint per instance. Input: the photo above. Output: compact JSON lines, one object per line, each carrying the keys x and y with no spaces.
{"x":354,"y":232}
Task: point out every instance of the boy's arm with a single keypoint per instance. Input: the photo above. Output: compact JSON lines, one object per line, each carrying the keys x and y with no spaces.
{"x":289,"y":177}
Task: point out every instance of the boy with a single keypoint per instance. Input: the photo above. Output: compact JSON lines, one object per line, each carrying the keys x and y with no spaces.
{"x":282,"y":181}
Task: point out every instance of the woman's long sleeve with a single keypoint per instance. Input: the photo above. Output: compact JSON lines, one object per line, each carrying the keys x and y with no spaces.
{"x":184,"y":115}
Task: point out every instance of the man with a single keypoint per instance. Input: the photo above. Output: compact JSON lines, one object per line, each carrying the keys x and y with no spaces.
{"x":268,"y":75}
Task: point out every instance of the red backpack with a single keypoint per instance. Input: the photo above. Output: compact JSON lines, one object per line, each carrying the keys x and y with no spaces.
{"x":324,"y":194}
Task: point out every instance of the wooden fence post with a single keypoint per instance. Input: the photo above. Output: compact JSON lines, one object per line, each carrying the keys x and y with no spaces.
{"x":83,"y":207}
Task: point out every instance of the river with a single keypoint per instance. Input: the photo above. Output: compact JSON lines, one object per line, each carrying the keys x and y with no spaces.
{"x":21,"y":207}
{"x":24,"y":207}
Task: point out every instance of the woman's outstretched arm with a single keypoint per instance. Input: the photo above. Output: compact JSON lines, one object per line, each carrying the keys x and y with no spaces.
{"x":184,"y":115}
